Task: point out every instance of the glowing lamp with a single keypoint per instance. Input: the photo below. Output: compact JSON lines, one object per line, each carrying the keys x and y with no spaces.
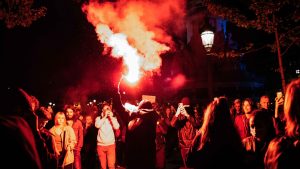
{"x":207,"y":39}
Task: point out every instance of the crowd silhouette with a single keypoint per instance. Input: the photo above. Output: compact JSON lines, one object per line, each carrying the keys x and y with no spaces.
{"x":229,"y":132}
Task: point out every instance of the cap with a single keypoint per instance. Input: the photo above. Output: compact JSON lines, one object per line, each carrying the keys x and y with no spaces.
{"x":185,"y":101}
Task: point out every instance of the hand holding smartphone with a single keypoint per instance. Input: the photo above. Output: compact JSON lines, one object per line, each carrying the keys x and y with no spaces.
{"x":180,"y":105}
{"x":279,"y":98}
{"x":279,"y":95}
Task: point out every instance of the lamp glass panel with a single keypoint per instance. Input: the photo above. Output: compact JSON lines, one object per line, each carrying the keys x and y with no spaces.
{"x":207,"y":39}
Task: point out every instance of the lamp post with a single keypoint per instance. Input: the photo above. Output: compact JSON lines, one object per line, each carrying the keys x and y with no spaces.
{"x":207,"y":37}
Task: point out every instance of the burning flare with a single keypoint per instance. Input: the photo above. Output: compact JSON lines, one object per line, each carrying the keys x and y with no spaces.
{"x":121,"y":48}
{"x":134,"y":31}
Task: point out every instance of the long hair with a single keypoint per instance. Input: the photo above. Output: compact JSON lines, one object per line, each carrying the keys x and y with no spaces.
{"x":292,"y":109}
{"x":56,"y":118}
{"x":72,"y":107}
{"x":218,"y":124}
{"x":250,"y":101}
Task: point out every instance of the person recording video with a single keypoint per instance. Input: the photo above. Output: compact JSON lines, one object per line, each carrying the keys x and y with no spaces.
{"x":107,"y":124}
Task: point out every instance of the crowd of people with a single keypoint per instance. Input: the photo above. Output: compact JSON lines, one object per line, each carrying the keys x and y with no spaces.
{"x":238,"y":134}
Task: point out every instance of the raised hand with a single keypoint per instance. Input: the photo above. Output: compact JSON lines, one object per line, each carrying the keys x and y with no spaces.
{"x":184,"y":112}
{"x":180,"y":106}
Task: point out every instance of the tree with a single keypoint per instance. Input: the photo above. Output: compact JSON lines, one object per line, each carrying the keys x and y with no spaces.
{"x":278,"y":17}
{"x":20,"y":12}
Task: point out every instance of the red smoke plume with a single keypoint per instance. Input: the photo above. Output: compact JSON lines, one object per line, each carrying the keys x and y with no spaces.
{"x":137,"y":31}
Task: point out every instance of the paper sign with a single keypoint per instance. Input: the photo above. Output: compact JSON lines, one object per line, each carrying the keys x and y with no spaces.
{"x":152,"y":99}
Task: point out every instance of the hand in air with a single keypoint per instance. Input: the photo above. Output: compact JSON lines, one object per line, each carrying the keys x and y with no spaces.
{"x":180,"y":106}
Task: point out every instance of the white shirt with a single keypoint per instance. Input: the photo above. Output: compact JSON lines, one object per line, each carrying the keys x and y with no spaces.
{"x":106,"y":127}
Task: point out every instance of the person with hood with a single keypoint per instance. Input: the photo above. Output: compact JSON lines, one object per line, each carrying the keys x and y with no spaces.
{"x":18,"y":138}
{"x":140,"y":151}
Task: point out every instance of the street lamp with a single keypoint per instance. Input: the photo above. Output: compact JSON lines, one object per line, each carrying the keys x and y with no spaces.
{"x":207,"y":37}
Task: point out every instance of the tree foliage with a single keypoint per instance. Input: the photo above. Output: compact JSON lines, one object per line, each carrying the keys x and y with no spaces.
{"x":20,"y":12}
{"x":269,"y":16}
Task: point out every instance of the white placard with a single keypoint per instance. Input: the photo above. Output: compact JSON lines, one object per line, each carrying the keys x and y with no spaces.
{"x":152,"y":99}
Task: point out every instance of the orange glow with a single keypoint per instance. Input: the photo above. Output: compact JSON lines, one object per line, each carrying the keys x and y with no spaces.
{"x":136,"y":31}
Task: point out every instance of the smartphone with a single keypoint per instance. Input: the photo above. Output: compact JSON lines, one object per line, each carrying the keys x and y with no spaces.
{"x":279,"y":95}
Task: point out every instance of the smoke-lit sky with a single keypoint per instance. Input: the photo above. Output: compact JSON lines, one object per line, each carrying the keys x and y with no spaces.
{"x":61,"y":56}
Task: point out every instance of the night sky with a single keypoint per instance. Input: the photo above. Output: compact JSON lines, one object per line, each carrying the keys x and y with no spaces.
{"x":54,"y":54}
{"x":59,"y":54}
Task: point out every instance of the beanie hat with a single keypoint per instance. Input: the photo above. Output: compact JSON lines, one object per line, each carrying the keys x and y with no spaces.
{"x":185,"y":101}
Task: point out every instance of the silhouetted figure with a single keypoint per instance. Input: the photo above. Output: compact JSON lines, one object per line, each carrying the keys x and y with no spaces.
{"x":140,"y":138}
{"x":217,"y":142}
{"x":89,"y":150}
{"x":171,"y":135}
{"x":44,"y":115}
{"x":33,"y":120}
{"x":17,"y":139}
{"x":284,"y":152}
{"x":161,"y":130}
{"x":262,"y":132}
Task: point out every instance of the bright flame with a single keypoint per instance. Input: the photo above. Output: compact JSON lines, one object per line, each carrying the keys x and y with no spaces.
{"x":130,"y":107}
{"x":132,"y":77}
{"x":120,"y":47}
{"x":135,"y":31}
